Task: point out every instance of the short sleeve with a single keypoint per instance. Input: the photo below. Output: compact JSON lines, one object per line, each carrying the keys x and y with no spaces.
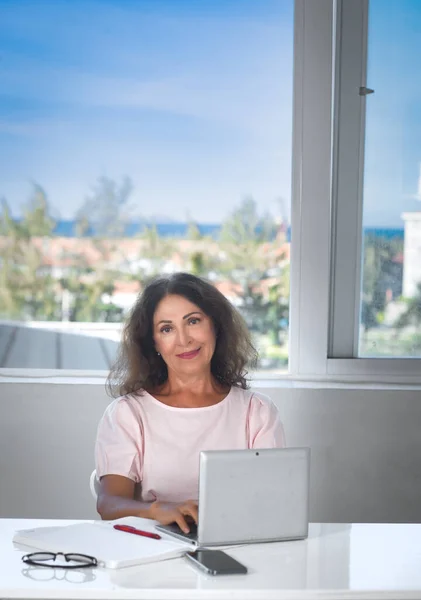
{"x":119,"y":442}
{"x":265,"y":427}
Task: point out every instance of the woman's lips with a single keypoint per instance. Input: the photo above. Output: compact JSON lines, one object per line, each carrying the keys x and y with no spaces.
{"x":189,"y":355}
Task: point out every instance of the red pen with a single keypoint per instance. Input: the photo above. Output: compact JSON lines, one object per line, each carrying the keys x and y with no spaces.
{"x":130,"y":529}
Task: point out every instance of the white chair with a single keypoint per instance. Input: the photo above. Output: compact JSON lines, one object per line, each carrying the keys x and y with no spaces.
{"x":94,"y":484}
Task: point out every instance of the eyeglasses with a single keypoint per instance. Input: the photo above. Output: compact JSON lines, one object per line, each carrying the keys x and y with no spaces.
{"x":40,"y":559}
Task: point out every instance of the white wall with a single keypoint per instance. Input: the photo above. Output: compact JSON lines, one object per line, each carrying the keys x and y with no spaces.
{"x":366,"y":449}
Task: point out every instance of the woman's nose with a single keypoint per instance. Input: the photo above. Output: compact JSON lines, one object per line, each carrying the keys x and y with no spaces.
{"x":183,"y":337}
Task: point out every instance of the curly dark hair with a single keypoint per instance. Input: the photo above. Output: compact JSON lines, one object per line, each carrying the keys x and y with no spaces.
{"x":138,"y":366}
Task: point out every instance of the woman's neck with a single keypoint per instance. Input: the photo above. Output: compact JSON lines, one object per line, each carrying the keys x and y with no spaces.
{"x":199,"y":384}
{"x":190,"y":391}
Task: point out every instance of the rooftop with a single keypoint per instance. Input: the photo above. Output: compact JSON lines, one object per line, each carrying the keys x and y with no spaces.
{"x":25,"y":346}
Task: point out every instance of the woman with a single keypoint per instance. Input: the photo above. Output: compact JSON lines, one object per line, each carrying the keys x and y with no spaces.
{"x":180,"y":388}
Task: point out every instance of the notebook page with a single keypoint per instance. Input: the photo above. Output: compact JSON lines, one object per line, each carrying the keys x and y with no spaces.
{"x":113,"y":549}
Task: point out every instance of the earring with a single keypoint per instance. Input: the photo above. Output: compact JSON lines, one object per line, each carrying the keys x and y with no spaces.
{"x":158,"y":353}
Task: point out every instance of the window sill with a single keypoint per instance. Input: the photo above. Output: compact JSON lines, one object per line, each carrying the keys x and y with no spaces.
{"x":259,"y":380}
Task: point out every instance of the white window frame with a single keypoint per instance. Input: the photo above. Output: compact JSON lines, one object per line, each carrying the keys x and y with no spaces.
{"x":328,"y":169}
{"x":330,"y":37}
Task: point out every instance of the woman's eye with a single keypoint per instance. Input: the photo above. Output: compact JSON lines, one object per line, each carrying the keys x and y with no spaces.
{"x":166,"y":329}
{"x":194,"y":320}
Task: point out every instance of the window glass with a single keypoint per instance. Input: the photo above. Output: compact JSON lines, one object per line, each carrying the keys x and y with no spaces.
{"x":138,"y":138}
{"x":391,"y":283}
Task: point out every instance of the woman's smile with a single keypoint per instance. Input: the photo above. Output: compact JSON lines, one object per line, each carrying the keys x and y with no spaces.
{"x":189,"y":355}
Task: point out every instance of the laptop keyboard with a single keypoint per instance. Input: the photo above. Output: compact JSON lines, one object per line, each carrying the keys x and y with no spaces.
{"x":192,"y":535}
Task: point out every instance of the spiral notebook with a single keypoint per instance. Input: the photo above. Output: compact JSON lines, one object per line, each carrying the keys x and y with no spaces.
{"x":113,"y":549}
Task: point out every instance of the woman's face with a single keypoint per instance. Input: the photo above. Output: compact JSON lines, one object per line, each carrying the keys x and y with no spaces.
{"x":184,"y":335}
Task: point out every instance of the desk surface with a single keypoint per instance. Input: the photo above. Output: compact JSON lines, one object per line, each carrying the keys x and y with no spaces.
{"x":363,"y":561}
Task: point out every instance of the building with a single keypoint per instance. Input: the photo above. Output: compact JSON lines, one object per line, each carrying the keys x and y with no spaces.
{"x":412,"y":253}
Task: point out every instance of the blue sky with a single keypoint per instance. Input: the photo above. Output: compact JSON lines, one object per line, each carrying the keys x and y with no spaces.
{"x":393,"y":119}
{"x":190,"y":98}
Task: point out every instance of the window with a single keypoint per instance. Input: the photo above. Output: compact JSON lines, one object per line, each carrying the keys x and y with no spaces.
{"x":140,"y":138}
{"x":161,"y":141}
{"x":336,"y":162}
{"x":391,"y":277}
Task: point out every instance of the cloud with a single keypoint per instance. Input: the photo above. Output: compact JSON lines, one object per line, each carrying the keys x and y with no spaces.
{"x":223,"y":69}
{"x":259,"y":106}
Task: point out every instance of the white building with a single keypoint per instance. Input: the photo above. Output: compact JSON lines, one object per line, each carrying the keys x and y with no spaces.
{"x":412,"y":253}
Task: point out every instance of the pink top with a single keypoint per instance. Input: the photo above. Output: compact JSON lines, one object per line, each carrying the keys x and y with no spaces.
{"x":158,"y":446}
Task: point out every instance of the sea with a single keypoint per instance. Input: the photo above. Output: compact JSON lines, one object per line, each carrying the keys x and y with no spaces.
{"x":68,"y":228}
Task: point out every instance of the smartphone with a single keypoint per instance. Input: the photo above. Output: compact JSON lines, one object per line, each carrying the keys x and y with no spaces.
{"x":216,"y":562}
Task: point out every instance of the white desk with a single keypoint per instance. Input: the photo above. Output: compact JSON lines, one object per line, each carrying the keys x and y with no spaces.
{"x":336,"y":562}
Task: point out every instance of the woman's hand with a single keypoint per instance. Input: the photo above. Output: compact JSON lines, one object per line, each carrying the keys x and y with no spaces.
{"x":176,"y":513}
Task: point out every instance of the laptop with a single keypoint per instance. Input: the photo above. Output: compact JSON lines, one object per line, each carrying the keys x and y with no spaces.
{"x":250,"y":496}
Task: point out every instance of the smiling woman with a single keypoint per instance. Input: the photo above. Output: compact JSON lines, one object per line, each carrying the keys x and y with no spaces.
{"x":180,"y":383}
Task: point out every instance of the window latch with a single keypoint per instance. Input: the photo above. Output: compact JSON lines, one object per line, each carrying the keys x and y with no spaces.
{"x":365,"y":91}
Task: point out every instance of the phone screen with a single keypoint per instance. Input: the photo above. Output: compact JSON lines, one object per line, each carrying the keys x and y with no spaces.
{"x":216,"y":562}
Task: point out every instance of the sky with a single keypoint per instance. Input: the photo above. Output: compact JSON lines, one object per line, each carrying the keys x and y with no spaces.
{"x":393,"y":120}
{"x":192,"y":99}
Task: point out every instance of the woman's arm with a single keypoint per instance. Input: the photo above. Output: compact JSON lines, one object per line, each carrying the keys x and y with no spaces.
{"x":116,"y":500}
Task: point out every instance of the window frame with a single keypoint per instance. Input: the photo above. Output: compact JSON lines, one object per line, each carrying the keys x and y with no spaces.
{"x":330,"y":59}
{"x":326,"y":285}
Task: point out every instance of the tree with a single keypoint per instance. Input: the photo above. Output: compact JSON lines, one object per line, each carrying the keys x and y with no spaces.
{"x":253,"y":247}
{"x":201,"y":256}
{"x":193,"y":231}
{"x":37,"y":220}
{"x":197,"y":264}
{"x":103,"y":217}
{"x":88,"y":279}
{"x":278,"y":305}
{"x":242,"y":237}
{"x":245,"y":225}
{"x":380,"y":272}
{"x":245,"y":238}
{"x":28,"y":289}
{"x":412,"y":314}
{"x":106,"y":210}
{"x":204,"y":262}
{"x":155,"y":250}
{"x":10,"y":259}
{"x":86,"y":298}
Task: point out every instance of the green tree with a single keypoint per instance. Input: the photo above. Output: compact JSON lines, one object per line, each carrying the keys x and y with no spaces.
{"x":107,"y":209}
{"x":201,"y":257}
{"x":193,"y":231}
{"x":245,"y":225}
{"x":104,"y":214}
{"x":86,"y":299}
{"x":156,"y":250}
{"x":412,"y":314}
{"x":88,"y":279}
{"x":203,"y":262}
{"x":246,"y":237}
{"x":37,"y":220}
{"x":380,"y":273}
{"x":11,"y":257}
{"x":278,"y":305}
{"x":242,"y":237}
{"x":27,"y":289}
